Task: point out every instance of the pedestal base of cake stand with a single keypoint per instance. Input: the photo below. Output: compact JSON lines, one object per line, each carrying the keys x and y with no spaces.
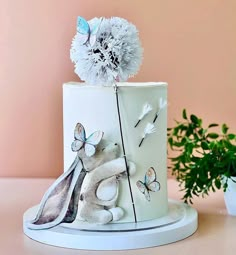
{"x":179,"y":223}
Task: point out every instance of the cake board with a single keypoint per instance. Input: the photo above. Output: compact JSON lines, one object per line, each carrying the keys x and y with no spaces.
{"x":180,"y":223}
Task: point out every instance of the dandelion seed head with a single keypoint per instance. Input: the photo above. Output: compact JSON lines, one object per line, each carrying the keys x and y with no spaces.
{"x":115,"y":56}
{"x":146,"y":109}
{"x":149,"y":129}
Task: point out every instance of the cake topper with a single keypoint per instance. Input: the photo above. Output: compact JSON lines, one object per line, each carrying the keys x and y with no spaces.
{"x":88,"y":143}
{"x":150,"y":183}
{"x":87,"y":33}
{"x":106,"y":50}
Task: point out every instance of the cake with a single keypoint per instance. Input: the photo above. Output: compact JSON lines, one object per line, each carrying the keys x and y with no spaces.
{"x":91,"y":111}
{"x":115,"y":173}
{"x":95,"y":107}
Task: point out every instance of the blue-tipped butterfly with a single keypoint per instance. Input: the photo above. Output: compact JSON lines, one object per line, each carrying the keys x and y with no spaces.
{"x":150,"y":183}
{"x":87,"y":32}
{"x":89,"y":144}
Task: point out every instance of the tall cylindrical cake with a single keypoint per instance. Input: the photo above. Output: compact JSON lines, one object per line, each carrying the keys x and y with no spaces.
{"x":113,"y":191}
{"x":143,"y":123}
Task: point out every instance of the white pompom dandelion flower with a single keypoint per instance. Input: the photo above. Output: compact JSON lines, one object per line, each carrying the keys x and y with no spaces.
{"x":116,"y":54}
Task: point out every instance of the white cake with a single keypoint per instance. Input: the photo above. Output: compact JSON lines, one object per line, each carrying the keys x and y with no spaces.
{"x":112,"y":194}
{"x":75,"y":212}
{"x":96,"y":109}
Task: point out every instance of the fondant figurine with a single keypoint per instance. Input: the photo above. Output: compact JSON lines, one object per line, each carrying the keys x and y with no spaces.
{"x":89,"y":188}
{"x":100,"y":188}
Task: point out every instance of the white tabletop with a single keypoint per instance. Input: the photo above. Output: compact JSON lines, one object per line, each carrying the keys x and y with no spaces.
{"x":216,"y":232}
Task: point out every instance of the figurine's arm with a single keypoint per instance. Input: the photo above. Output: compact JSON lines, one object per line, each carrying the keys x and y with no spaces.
{"x":101,"y":185}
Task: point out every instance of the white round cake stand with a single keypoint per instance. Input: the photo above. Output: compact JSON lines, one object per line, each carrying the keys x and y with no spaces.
{"x":180,"y":223}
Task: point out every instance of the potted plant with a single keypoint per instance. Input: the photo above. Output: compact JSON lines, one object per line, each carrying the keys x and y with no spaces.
{"x":203,"y":159}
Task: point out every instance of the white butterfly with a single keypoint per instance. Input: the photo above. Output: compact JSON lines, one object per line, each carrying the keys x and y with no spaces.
{"x":88,"y":33}
{"x":89,"y":144}
{"x":150,"y":183}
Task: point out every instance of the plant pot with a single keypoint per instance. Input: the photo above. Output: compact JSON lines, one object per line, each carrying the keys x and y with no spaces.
{"x":230,"y":197}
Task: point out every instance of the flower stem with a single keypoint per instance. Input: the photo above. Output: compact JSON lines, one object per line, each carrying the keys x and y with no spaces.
{"x":123,"y":148}
{"x":156,"y":116}
{"x":137,"y":123}
{"x":141,"y":142}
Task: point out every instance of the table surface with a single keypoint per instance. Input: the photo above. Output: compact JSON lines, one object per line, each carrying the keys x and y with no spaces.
{"x":216,"y":231}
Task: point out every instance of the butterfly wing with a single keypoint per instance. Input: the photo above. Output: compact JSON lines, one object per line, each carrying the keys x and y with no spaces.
{"x":83,"y":30}
{"x":95,"y":138}
{"x":79,"y":132}
{"x":150,"y":181}
{"x":95,"y":25}
{"x":89,"y":149}
{"x":94,"y":28}
{"x":147,"y":195}
{"x":154,"y":186}
{"x":150,"y":176}
{"x":80,"y":137}
{"x":141,"y":186}
{"x":76,"y":145}
{"x":83,"y":39}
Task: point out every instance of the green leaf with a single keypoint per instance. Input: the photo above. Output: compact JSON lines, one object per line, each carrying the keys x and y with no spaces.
{"x":195,"y":159}
{"x":194,"y":119}
{"x":200,"y":131}
{"x":201,"y":157}
{"x":204,"y":145}
{"x":224,"y":129}
{"x":212,"y":145}
{"x":231,"y":136}
{"x":170,"y":141}
{"x":213,"y":125}
{"x":213,"y":135}
{"x":218,"y":183}
{"x":184,"y":114}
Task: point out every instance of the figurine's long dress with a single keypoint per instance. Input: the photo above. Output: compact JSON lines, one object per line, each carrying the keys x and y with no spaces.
{"x":60,"y":202}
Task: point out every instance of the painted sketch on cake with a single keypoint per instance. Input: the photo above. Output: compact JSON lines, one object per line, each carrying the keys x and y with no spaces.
{"x":90,"y":187}
{"x":162,"y":105}
{"x":149,"y":129}
{"x":147,"y":108}
{"x":149,"y":184}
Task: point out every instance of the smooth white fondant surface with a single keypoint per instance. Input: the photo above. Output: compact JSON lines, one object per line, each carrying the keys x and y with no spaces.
{"x":95,"y":108}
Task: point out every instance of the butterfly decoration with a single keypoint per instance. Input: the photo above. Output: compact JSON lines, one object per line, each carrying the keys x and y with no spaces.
{"x":89,"y":144}
{"x":88,"y":32}
{"x":150,"y":183}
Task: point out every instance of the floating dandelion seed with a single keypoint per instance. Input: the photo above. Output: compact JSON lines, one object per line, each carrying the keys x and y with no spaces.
{"x":149,"y":129}
{"x":162,"y":104}
{"x":146,"y":109}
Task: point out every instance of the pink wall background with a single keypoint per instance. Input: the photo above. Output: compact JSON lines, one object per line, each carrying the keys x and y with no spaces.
{"x":189,"y":44}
